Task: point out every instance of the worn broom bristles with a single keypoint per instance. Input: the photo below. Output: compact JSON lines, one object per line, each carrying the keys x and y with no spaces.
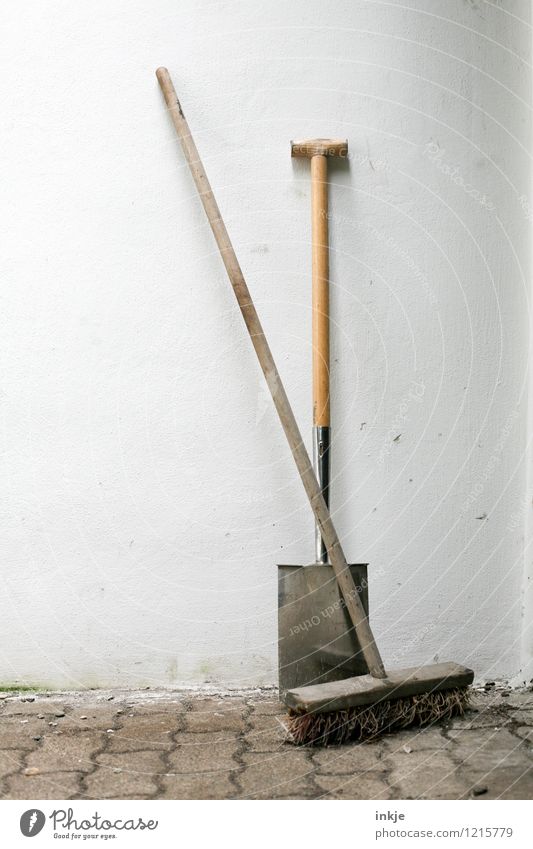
{"x":367,"y":721}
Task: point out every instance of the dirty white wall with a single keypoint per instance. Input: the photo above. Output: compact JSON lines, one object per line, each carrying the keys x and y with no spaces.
{"x":147,"y":491}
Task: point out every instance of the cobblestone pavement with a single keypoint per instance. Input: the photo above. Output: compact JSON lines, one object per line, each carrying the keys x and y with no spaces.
{"x":168,"y":745}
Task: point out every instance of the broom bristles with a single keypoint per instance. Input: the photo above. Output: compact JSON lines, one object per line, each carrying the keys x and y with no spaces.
{"x":367,"y":721}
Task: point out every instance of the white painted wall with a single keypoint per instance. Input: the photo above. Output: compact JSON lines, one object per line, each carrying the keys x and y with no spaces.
{"x":147,"y":491}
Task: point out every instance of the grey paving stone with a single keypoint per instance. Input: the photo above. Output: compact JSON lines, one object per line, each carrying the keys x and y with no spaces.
{"x":215,"y":715}
{"x":526,"y":732}
{"x":524,"y":716}
{"x":425,"y":775}
{"x":17,"y":733}
{"x":15,"y":707}
{"x":489,"y":699}
{"x":138,"y":774}
{"x":204,"y":753}
{"x":174,"y":707}
{"x":485,"y":717}
{"x":67,"y":751}
{"x":486,"y":748}
{"x":186,"y":746}
{"x":11,"y":761}
{"x":99,"y":716}
{"x":520,"y":700}
{"x":266,"y":734}
{"x":51,"y":785}
{"x":503,"y":783}
{"x":270,"y":707}
{"x":216,"y":704}
{"x":354,"y":759}
{"x":366,"y":786}
{"x":270,"y":776}
{"x":205,"y":786}
{"x":415,"y":739}
{"x":144,"y":732}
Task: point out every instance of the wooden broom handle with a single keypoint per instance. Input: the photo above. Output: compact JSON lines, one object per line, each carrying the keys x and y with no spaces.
{"x":273,"y":379}
{"x":320,"y":274}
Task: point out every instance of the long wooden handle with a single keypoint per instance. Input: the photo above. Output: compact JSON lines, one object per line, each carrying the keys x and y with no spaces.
{"x":320,"y":271}
{"x":273,"y":379}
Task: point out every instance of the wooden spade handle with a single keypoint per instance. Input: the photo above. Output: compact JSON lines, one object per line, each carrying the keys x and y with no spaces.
{"x":273,"y":379}
{"x":320,"y":272}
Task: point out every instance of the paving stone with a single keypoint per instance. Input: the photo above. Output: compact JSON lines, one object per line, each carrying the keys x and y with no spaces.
{"x":74,"y":750}
{"x":99,"y":716}
{"x":15,"y":734}
{"x":205,"y":786}
{"x":504,"y":783}
{"x":270,"y":776}
{"x":208,"y":752}
{"x":524,"y":717}
{"x":122,"y":796}
{"x":268,"y":707}
{"x":216,"y":704}
{"x":267,"y":734}
{"x":415,"y":739}
{"x":144,"y":732}
{"x":526,"y":732}
{"x":175,"y":707}
{"x":485,"y":717}
{"x":139,"y":773}
{"x":521,"y":700}
{"x":491,"y":699}
{"x":367,"y":786}
{"x":52,"y":785}
{"x":347,"y":760}
{"x":425,"y":775}
{"x":11,"y":761}
{"x":215,"y":715}
{"x":485,"y":749}
{"x":231,"y":747}
{"x":14,"y":707}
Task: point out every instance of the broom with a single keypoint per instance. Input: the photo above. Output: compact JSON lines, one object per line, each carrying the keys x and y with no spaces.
{"x":366,"y":705}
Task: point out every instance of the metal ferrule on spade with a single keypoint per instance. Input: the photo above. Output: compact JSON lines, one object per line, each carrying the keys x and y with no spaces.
{"x":321,"y":464}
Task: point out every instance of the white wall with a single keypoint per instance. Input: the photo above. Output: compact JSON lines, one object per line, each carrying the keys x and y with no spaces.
{"x":147,"y":491}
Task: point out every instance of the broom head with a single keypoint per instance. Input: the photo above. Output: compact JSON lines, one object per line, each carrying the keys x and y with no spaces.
{"x":364,"y":707}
